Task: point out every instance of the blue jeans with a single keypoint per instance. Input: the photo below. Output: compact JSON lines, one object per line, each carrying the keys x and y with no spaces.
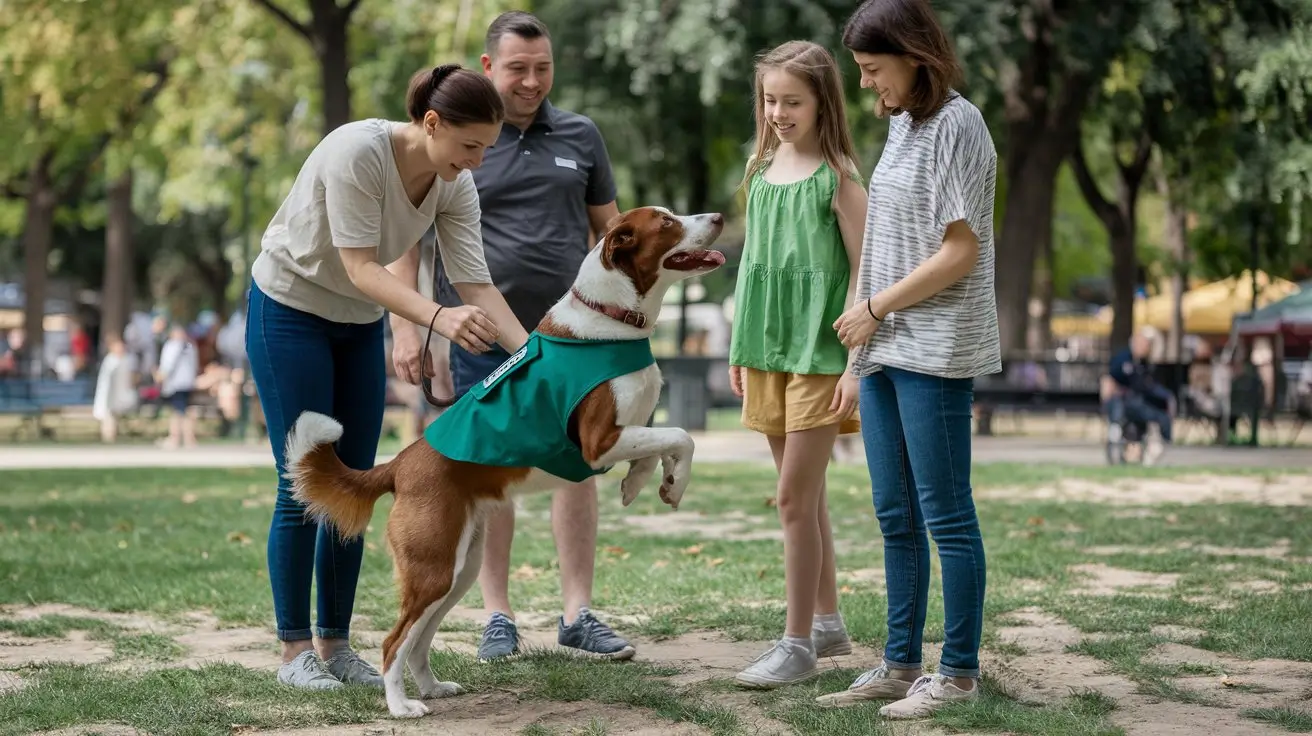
{"x":1135,"y":407}
{"x":301,"y":362}
{"x":916,"y":429}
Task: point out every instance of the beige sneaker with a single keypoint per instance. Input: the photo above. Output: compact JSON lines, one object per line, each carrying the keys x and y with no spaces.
{"x":927,"y":694}
{"x":876,"y":684}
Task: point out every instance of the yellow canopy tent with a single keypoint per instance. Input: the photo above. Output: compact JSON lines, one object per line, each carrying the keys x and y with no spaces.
{"x":1209,"y":309}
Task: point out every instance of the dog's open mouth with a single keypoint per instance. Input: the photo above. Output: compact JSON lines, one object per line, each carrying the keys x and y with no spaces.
{"x":694,"y":259}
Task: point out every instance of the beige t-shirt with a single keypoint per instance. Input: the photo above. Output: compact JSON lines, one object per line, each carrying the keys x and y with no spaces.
{"x":349,"y":194}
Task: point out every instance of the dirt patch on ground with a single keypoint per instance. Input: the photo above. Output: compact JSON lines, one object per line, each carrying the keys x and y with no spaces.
{"x":1106,"y":580}
{"x":735,"y":526}
{"x":1047,"y":673}
{"x":1278,"y":551}
{"x":1285,"y":490}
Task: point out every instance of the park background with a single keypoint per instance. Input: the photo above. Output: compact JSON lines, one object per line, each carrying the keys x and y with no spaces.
{"x":1154,"y":164}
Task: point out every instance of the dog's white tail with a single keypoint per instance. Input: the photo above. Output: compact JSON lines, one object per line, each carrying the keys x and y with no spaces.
{"x":331,"y":491}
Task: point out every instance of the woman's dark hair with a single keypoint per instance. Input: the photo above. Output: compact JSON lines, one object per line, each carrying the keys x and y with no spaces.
{"x":459,"y":96}
{"x":911,"y":29}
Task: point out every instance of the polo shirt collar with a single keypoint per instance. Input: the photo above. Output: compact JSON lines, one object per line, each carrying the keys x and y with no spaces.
{"x":546,"y":116}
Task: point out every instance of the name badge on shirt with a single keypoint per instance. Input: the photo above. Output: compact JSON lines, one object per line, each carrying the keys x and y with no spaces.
{"x":567,"y":163}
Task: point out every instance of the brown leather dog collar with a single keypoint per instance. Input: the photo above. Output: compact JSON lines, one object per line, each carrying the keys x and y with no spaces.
{"x":627,"y":316}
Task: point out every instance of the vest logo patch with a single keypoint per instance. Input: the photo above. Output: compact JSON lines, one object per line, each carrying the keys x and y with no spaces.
{"x":510,"y":363}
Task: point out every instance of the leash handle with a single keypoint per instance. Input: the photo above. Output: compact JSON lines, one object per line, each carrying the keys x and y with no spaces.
{"x":424,"y":382}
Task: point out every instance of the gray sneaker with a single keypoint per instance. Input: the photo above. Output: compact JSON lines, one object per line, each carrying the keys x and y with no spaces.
{"x":830,"y":643}
{"x":350,"y":669}
{"x":500,"y":638}
{"x":785,"y":663}
{"x":307,"y":671}
{"x":590,"y":636}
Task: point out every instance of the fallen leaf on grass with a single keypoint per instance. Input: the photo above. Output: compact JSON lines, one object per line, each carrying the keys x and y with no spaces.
{"x":239,"y":537}
{"x":189,"y":497}
{"x":659,"y":564}
{"x":716,"y":562}
{"x":771,"y":502}
{"x":696,"y":549}
{"x":617,"y":551}
{"x":1227,"y":682}
{"x":1035,"y":521}
{"x":845,"y":589}
{"x":122,"y":544}
{"x":370,"y":546}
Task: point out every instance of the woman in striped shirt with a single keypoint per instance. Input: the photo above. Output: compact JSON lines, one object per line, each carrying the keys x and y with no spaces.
{"x":925,"y":324}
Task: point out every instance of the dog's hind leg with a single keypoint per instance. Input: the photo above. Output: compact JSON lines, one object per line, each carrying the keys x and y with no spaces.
{"x":427,"y":574}
{"x":468,"y":561}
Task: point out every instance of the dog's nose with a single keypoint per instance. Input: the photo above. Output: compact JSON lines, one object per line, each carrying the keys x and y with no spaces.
{"x":717,"y":219}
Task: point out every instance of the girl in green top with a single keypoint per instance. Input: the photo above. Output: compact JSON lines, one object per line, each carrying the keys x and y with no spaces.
{"x":806,"y":207}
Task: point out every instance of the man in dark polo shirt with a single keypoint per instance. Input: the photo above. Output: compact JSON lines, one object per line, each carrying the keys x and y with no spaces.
{"x":546,"y":192}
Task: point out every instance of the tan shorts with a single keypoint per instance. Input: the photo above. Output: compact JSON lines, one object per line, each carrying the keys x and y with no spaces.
{"x":779,"y":403}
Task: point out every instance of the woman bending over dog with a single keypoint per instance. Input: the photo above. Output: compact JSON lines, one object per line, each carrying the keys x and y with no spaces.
{"x":334,"y":259}
{"x":924,"y":326}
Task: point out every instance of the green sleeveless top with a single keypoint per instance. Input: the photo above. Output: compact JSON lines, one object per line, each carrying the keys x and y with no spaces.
{"x":518,"y":417}
{"x":792,"y":280}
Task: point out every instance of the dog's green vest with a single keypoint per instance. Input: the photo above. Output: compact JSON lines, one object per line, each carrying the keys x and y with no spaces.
{"x":518,"y":416}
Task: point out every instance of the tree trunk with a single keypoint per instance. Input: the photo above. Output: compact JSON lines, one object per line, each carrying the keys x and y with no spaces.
{"x":1026,"y":232}
{"x":1125,"y":271}
{"x":1177,"y":245}
{"x":118,"y":291}
{"x":1120,"y":219}
{"x":38,"y":232}
{"x":334,"y":68}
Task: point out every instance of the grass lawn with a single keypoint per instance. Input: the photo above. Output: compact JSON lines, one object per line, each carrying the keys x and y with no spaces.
{"x":140,"y":598}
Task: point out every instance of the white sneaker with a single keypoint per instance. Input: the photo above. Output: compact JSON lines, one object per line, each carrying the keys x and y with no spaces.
{"x":785,"y":663}
{"x":928,"y":694}
{"x":877,"y":684}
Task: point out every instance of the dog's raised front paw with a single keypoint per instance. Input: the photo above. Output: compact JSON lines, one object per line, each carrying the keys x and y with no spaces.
{"x":639,"y":473}
{"x":441,"y":690}
{"x":408,"y":709}
{"x":675,"y":481}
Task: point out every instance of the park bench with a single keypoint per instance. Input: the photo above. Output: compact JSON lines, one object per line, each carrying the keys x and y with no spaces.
{"x":32,"y":399}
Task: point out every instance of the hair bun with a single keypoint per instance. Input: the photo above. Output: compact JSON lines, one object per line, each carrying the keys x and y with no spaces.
{"x":440,"y":73}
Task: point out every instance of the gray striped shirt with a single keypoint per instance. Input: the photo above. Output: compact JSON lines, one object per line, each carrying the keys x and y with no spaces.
{"x":928,"y":176}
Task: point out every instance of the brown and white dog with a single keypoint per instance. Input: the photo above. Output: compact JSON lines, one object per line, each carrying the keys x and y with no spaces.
{"x":436,"y":525}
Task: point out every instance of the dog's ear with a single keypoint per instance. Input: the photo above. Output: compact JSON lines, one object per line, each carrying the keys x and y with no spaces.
{"x":621,"y":241}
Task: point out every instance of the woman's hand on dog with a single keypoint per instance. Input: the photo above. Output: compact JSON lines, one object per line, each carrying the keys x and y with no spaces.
{"x":467,"y":326}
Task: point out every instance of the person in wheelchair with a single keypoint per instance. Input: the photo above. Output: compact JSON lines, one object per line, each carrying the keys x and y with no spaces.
{"x":1136,"y":398}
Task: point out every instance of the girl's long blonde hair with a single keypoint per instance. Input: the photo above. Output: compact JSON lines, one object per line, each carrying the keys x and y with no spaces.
{"x":813,"y":64}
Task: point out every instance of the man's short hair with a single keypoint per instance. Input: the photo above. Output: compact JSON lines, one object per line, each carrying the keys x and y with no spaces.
{"x":515,"y":22}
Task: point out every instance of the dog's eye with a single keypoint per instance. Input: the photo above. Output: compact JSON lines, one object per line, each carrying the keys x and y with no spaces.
{"x":666,"y":222}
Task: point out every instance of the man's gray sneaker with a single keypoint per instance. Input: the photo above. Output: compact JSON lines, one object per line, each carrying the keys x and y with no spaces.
{"x":500,"y":638}
{"x":350,"y":669}
{"x":592,"y":637}
{"x":307,"y":671}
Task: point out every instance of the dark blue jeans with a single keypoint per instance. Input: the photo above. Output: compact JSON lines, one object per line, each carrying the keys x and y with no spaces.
{"x":916,"y":429}
{"x":1135,"y":407}
{"x":301,"y":362}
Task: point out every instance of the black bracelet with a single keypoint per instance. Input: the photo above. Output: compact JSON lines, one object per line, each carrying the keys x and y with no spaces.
{"x":871,"y":310}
